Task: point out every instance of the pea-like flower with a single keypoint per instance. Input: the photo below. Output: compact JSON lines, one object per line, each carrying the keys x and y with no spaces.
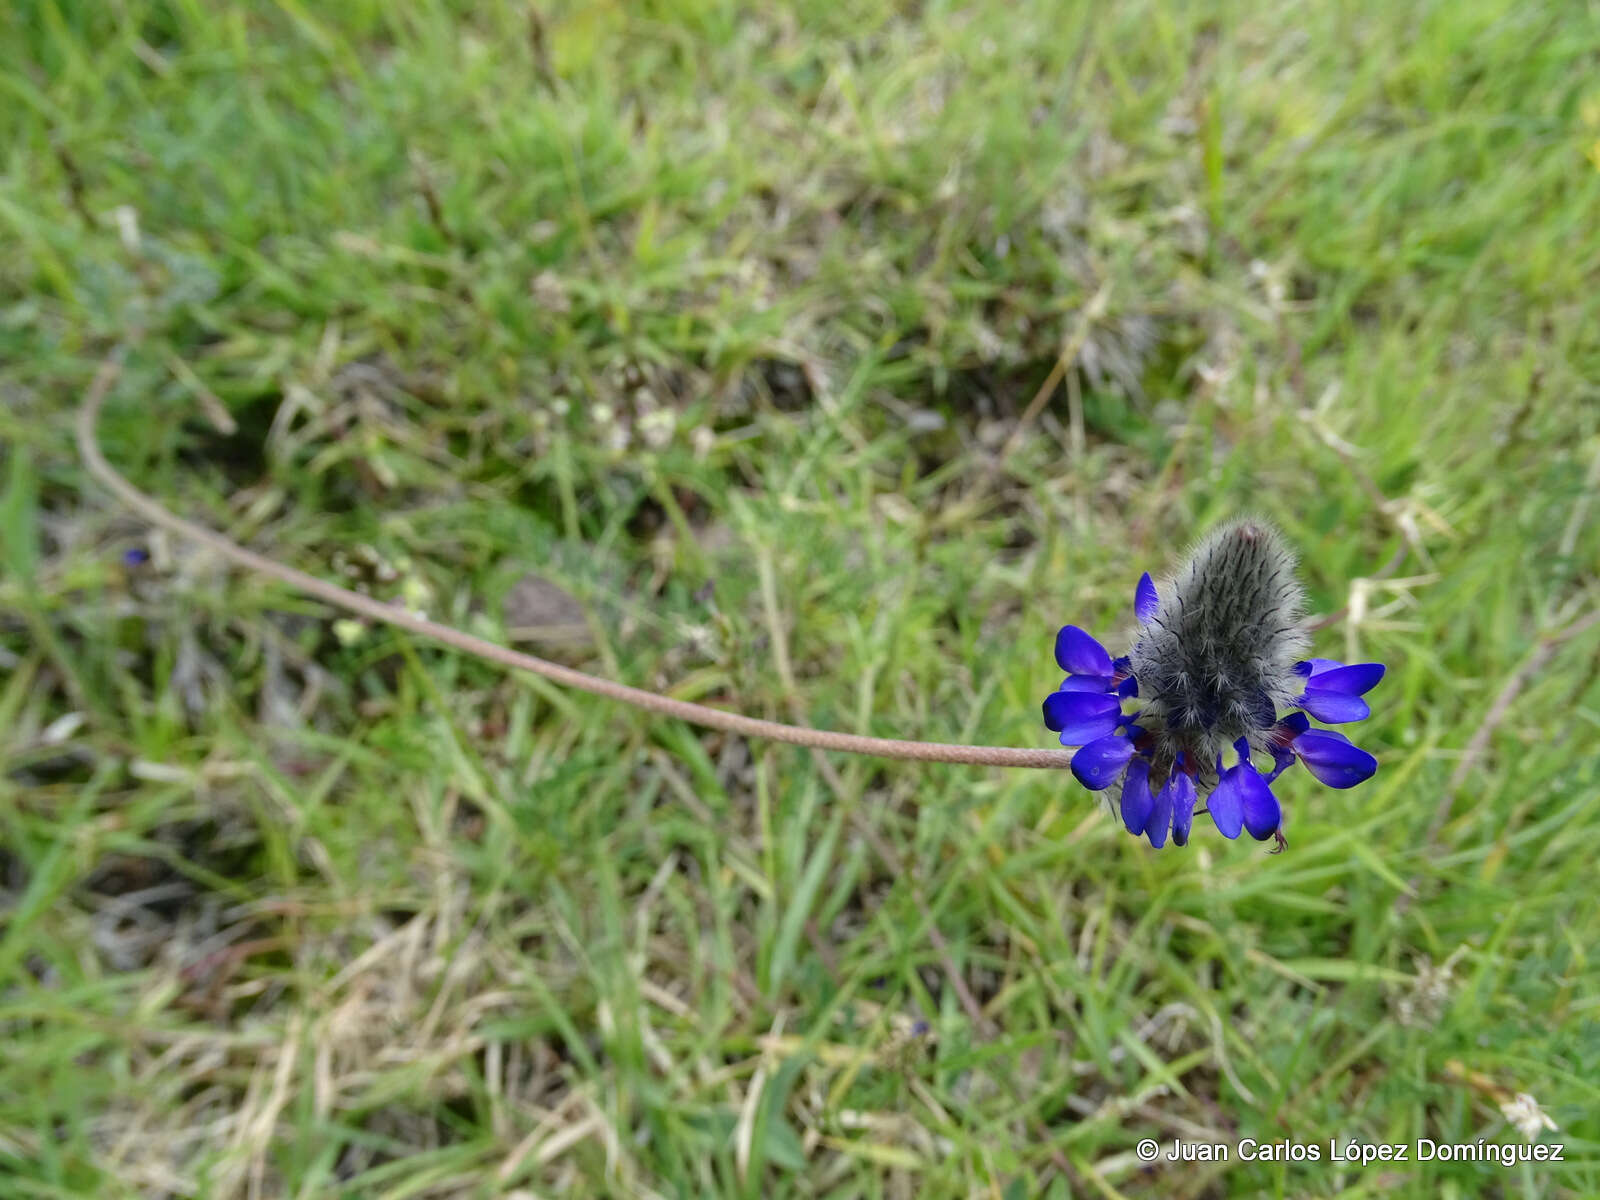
{"x":1215,"y":659}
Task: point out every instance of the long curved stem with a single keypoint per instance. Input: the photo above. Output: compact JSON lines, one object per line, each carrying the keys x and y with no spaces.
{"x":698,"y":714}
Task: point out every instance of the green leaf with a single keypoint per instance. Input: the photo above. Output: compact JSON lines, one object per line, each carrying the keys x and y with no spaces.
{"x":782,"y":1145}
{"x":19,"y":519}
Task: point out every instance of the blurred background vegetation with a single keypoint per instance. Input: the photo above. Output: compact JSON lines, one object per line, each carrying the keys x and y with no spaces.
{"x":816,"y":360}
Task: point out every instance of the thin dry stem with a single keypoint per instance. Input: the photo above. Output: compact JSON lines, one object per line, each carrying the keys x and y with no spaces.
{"x":698,"y":714}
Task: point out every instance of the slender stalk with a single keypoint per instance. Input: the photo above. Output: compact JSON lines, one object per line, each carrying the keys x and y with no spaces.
{"x":697,"y":714}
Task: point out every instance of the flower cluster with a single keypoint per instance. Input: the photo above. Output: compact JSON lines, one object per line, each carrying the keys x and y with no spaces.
{"x":1215,"y":659}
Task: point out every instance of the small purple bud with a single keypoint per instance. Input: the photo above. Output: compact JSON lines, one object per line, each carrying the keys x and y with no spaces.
{"x":1183,"y":797}
{"x":1356,"y":680}
{"x":1078,"y":653}
{"x":1098,"y":764}
{"x":1335,"y":708}
{"x":1334,"y":759}
{"x":1160,"y":822}
{"x":1081,"y":717}
{"x":1145,"y":600}
{"x":1137,"y":802}
{"x":1262,"y":815}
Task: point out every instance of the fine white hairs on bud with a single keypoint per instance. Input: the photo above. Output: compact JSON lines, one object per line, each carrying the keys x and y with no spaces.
{"x":1215,"y":662}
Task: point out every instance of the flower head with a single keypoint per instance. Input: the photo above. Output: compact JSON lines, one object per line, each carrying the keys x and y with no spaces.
{"x":1215,"y":659}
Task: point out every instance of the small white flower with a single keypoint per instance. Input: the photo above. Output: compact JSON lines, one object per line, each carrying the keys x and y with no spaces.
{"x":1525,"y":1115}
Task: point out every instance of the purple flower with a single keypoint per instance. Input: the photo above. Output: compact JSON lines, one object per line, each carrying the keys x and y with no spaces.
{"x":1137,"y":802}
{"x":1180,"y":785}
{"x":1333,"y":758}
{"x":1333,"y":691}
{"x":1242,"y":799}
{"x":1101,"y":762}
{"x":1216,"y":657}
{"x":1080,"y":654}
{"x":1080,"y":715}
{"x":1160,"y":817}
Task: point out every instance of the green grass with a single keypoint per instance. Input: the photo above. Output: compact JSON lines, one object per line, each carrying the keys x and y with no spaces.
{"x":653,"y":300}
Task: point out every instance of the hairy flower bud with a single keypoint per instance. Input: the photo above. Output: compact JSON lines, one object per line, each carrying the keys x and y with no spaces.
{"x":1215,"y":660}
